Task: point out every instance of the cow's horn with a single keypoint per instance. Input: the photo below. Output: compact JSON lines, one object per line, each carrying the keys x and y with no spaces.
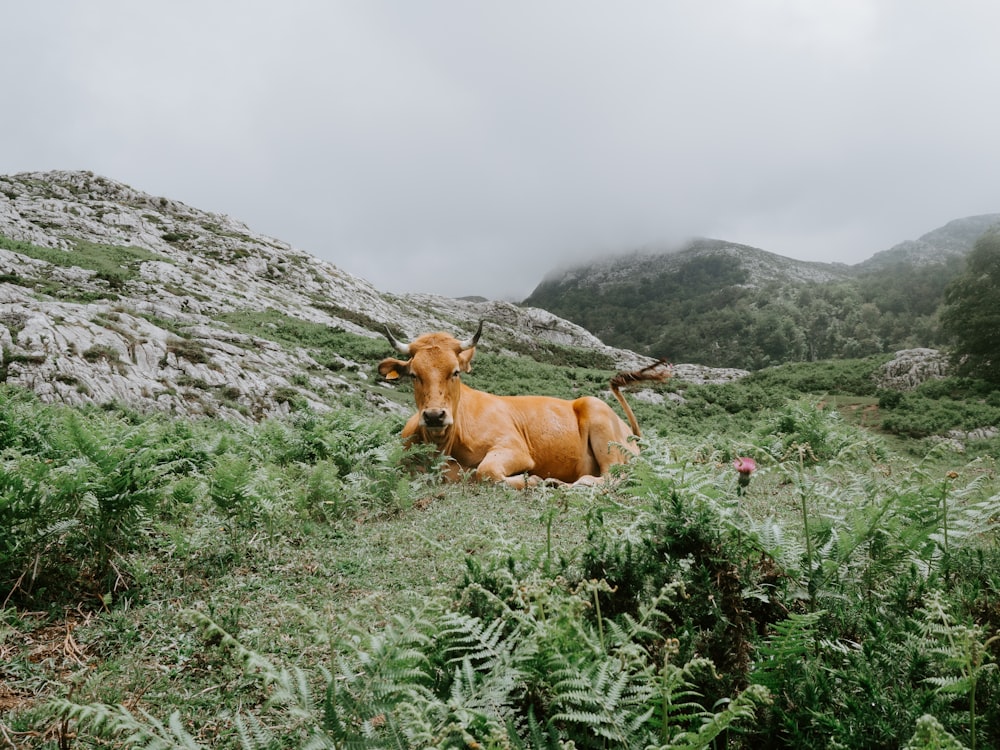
{"x":469,"y":343}
{"x":399,"y":346}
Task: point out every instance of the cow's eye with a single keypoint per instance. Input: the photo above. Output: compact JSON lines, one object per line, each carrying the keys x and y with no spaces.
{"x":456,"y":373}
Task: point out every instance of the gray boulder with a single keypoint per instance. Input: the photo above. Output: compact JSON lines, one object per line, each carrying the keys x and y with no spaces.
{"x":911,"y":367}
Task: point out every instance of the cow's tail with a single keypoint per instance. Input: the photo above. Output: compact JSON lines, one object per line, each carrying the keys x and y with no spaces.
{"x":659,"y":370}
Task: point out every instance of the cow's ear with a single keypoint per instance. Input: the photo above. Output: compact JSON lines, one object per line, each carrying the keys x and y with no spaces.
{"x":465,"y":359}
{"x":393,"y":369}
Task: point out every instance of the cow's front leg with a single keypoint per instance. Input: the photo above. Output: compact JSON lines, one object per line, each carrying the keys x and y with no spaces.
{"x":504,"y":465}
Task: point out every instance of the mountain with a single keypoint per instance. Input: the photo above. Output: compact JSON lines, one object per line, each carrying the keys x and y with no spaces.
{"x":953,"y":240}
{"x":110,"y":294}
{"x":730,"y":305}
{"x":750,"y":265}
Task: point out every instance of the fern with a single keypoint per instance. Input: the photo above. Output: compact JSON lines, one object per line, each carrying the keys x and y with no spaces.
{"x":251,"y":661}
{"x":379,"y":677}
{"x":136,"y":729}
{"x":253,"y":735}
{"x":962,"y":650}
{"x":531,"y":734}
{"x":607,"y":700}
{"x":636,"y":641}
{"x":488,"y":674}
{"x":678,"y":706}
{"x":536,"y":674}
{"x":89,"y":493}
{"x":774,"y":540}
{"x":861,"y":529}
{"x":740,"y":709}
{"x":965,"y":514}
{"x":475,"y":713}
{"x":795,"y":640}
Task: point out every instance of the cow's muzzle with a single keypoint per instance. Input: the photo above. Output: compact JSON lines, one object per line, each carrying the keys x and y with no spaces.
{"x":435,"y":419}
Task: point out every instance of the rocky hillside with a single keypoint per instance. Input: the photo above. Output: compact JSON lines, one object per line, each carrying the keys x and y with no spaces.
{"x":107,"y":293}
{"x":953,"y":240}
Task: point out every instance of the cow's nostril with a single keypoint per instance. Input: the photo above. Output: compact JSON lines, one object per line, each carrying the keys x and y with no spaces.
{"x":434,"y":417}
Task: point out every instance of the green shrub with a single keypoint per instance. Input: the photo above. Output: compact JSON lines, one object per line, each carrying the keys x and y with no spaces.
{"x":938,"y":406}
{"x":79,"y":488}
{"x":849,"y":377}
{"x":542,"y":673}
{"x":189,"y":349}
{"x":807,"y":429}
{"x":85,"y":494}
{"x":102,"y":351}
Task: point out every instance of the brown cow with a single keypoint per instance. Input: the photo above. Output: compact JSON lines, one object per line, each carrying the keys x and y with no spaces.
{"x":520,"y":440}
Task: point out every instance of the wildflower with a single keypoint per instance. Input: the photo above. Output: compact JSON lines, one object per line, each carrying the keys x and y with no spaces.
{"x":745,"y":466}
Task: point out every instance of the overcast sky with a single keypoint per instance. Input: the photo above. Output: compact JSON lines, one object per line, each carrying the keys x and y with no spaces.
{"x":461,"y":147}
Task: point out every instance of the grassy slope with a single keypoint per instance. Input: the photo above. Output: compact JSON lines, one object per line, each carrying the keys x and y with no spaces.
{"x":380,"y":553}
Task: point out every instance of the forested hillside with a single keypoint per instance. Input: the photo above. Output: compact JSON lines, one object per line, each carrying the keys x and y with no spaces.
{"x":732,"y":306}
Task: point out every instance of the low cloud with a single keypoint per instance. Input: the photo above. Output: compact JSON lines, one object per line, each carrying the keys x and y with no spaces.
{"x":462,"y":148}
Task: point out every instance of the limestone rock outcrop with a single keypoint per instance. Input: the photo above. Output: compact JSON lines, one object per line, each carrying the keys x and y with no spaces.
{"x":911,"y":367}
{"x":110,"y":294}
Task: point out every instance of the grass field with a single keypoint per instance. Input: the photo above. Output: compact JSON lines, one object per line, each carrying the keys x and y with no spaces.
{"x":175,"y":583}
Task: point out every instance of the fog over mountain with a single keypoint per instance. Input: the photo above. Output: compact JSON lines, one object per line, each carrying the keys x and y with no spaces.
{"x":464,"y":148}
{"x":726,"y":304}
{"x":952,"y":240}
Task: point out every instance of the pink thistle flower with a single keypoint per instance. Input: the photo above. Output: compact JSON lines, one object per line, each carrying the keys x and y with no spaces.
{"x":745,"y":466}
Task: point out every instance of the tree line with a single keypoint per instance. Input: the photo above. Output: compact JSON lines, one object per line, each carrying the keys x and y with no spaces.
{"x":708,"y":312}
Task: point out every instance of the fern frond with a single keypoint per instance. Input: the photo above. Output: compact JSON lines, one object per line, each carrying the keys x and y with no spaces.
{"x":469,"y":639}
{"x":252,"y":733}
{"x":251,"y":661}
{"x":527,"y":733}
{"x":741,"y":708}
{"x":955,"y":685}
{"x":139,"y":730}
{"x":292,"y":692}
{"x":794,"y":642}
{"x":606,"y":700}
{"x":486,"y":699}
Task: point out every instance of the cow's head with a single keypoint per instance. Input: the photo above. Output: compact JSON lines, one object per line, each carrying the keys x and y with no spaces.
{"x":436,"y":360}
